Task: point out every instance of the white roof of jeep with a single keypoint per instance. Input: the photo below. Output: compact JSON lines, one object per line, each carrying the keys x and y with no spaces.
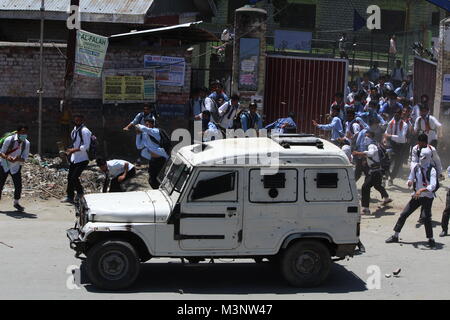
{"x":234,"y":152}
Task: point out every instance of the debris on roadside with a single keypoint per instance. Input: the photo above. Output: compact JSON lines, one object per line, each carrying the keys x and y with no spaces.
{"x":47,"y":178}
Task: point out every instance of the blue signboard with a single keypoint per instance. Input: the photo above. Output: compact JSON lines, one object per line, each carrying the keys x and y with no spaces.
{"x":293,"y":40}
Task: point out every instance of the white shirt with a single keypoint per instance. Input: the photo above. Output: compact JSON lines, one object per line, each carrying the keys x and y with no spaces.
{"x":348,"y":152}
{"x":435,"y":159}
{"x":117,"y":167}
{"x":147,"y":145}
{"x":397,"y":134}
{"x":83,"y":145}
{"x":420,"y":126}
{"x":14,"y":167}
{"x":227,"y":112}
{"x":355,"y":127}
{"x":372,"y":154}
{"x":416,"y":174}
{"x":211,"y":106}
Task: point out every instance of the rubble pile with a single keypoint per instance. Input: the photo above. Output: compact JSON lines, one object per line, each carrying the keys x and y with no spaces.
{"x":47,"y":178}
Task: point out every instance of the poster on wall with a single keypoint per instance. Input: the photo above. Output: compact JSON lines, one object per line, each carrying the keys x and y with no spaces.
{"x":129,"y":86}
{"x":170,"y":71}
{"x":446,"y":88}
{"x":90,"y":54}
{"x":248,"y":64}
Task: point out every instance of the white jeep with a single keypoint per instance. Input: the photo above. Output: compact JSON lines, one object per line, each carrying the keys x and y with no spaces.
{"x":218,"y":200}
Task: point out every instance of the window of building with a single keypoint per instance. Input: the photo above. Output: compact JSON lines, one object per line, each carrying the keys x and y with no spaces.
{"x":435,"y":18}
{"x":232,"y":6}
{"x":302,"y":16}
{"x":392,"y":21}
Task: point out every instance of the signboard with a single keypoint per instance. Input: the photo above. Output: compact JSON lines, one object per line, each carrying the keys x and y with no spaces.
{"x":170,"y":71}
{"x":293,"y":40}
{"x":129,"y":86}
{"x":90,"y":54}
{"x":248,"y":64}
{"x":446,"y":88}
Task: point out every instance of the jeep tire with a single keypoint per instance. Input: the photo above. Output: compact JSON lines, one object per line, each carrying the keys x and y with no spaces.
{"x":112,"y":265}
{"x":306,"y":263}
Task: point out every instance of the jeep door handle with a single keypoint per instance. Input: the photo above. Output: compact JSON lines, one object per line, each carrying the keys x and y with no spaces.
{"x":231,"y":209}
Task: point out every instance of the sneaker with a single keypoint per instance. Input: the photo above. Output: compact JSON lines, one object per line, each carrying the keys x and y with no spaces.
{"x":19,"y":207}
{"x":431,"y":243}
{"x":386,"y":201}
{"x":392,"y":239}
{"x":444,"y":233}
{"x":68,"y":200}
{"x":366,"y":211}
{"x":390,"y":182}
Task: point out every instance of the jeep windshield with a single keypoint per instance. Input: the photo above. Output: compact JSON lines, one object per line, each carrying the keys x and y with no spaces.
{"x":176,"y":173}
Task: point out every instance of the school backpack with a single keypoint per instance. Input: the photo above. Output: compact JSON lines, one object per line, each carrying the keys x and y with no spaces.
{"x":10,"y":147}
{"x":428,"y":176}
{"x":92,"y":151}
{"x":164,"y":143}
{"x":385,"y":161}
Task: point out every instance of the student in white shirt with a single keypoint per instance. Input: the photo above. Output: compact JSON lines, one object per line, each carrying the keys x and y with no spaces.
{"x":78,"y":158}
{"x":375,"y":176}
{"x":395,"y":135}
{"x":13,"y":154}
{"x":228,"y":111}
{"x":422,"y":142}
{"x":152,"y":150}
{"x":117,"y":172}
{"x":428,"y":124}
{"x":423,"y":178}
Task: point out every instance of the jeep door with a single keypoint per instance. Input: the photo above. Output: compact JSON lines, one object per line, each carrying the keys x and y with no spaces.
{"x":211,"y":210}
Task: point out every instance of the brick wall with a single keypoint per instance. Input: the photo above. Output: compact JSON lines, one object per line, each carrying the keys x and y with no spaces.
{"x":19,"y":80}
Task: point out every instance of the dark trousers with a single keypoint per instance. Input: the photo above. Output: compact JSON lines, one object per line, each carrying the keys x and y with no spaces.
{"x":360,"y":167}
{"x":73,"y":179}
{"x":373,"y":179}
{"x":154,"y":167}
{"x":398,"y":157}
{"x":446,"y":213}
{"x":115,"y":185}
{"x":17,"y":180}
{"x":412,"y":206}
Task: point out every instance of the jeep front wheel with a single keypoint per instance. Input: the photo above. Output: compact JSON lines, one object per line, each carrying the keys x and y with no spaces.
{"x":306,"y":263}
{"x":112,"y":265}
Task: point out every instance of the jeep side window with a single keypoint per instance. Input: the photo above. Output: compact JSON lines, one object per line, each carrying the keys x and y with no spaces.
{"x":218,"y":187}
{"x":327,"y":180}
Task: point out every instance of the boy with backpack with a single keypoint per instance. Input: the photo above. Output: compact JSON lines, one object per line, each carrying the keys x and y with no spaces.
{"x":374,"y":155}
{"x":78,"y":156}
{"x":14,"y":152}
{"x":156,"y":147}
{"x":423,"y":178}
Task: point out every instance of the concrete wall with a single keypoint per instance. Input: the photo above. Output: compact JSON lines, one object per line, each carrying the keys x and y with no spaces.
{"x":19,"y":80}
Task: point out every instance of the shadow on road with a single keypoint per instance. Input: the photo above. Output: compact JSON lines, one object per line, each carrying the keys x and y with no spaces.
{"x":422,"y":245}
{"x":232,"y":278}
{"x":19,"y":214}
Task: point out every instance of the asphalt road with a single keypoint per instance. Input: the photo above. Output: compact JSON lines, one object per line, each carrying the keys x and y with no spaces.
{"x":35,"y":263}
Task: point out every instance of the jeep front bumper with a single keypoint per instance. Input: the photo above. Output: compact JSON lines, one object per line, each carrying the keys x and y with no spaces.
{"x":75,"y":242}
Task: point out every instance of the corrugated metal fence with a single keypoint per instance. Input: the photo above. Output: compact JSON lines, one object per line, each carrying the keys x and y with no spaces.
{"x":303,"y":85}
{"x":424,"y":79}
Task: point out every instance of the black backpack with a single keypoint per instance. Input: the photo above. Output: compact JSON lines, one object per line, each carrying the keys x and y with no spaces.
{"x":165,"y":142}
{"x":385,"y":161}
{"x":92,"y":152}
{"x":428,"y":175}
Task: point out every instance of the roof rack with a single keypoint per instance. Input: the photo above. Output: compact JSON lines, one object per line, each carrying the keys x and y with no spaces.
{"x":286,"y":141}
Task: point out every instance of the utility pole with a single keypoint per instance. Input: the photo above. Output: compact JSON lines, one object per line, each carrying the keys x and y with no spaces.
{"x":41,"y":79}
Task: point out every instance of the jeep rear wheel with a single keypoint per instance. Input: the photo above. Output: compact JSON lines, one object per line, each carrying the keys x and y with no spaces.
{"x":112,"y":265}
{"x":306,"y":263}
